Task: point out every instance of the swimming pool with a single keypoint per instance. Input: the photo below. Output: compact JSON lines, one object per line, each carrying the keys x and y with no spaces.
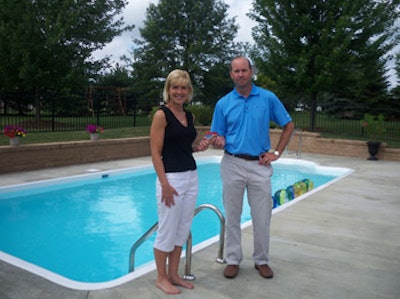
{"x":87,"y":243}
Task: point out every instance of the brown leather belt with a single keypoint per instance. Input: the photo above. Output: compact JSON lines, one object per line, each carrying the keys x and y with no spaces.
{"x":243,"y":156}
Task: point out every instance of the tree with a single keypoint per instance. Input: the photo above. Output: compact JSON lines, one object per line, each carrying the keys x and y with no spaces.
{"x":312,"y":48}
{"x":395,"y":92}
{"x":192,"y":35}
{"x":119,"y":76}
{"x":47,"y":45}
{"x":397,"y":68}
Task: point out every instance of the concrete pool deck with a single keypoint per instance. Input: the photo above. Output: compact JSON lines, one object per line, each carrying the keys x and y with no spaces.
{"x":340,"y":242}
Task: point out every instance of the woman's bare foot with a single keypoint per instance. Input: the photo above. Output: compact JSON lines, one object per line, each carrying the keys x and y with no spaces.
{"x":181,"y":282}
{"x":166,"y":286}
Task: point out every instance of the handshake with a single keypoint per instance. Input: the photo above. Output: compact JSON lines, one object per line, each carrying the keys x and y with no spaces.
{"x":214,"y":139}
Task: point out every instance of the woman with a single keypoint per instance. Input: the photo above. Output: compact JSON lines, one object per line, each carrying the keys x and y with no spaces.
{"x":172,"y":135}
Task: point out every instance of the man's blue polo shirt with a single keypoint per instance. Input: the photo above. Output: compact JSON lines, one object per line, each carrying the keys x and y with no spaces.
{"x":245,"y":122}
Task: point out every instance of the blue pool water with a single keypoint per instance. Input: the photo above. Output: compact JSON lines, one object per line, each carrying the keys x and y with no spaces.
{"x":83,"y":228}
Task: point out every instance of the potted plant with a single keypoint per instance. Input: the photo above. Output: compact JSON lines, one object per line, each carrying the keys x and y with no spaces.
{"x":374,"y":126}
{"x":14,"y":133}
{"x":94,"y":131}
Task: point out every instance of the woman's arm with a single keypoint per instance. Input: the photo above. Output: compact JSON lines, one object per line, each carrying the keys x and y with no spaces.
{"x":157,"y":135}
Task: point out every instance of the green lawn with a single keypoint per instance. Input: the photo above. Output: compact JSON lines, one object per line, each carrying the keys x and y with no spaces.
{"x":79,"y":135}
{"x":117,"y":133}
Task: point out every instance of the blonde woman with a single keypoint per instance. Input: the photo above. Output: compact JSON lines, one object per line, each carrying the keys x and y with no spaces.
{"x":172,"y":135}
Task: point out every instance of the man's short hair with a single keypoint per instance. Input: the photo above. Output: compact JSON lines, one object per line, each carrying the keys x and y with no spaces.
{"x":241,"y":56}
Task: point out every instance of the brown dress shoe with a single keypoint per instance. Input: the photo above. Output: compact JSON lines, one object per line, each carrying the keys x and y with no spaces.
{"x":231,"y":271}
{"x":265,"y":271}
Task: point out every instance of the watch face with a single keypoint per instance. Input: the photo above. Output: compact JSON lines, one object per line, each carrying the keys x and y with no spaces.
{"x":276,"y":153}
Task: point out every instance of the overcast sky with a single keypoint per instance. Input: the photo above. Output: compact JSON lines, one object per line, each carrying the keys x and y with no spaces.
{"x":134,"y":13}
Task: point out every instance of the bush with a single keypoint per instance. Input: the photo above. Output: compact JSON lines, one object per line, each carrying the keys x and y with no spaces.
{"x":203,"y":114}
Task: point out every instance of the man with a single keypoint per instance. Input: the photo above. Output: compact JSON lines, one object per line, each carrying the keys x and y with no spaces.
{"x":242,"y":121}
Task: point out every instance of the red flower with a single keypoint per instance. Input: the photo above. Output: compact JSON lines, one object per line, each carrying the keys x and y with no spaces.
{"x":14,"y":131}
{"x":94,"y":129}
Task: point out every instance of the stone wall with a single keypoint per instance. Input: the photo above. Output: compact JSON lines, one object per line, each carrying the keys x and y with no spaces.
{"x":44,"y":155}
{"x":313,"y":143}
{"x":39,"y":156}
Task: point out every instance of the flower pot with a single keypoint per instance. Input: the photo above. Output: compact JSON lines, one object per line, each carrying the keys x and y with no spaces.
{"x":14,"y":141}
{"x":373,"y":148}
{"x":94,"y":136}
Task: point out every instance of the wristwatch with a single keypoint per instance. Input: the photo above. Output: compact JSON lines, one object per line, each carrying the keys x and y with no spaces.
{"x":276,"y":153}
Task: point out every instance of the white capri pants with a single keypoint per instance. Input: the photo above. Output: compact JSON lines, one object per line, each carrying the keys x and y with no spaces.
{"x":174,"y":222}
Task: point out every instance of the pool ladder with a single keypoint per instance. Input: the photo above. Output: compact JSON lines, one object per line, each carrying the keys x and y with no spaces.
{"x":188,"y":255}
{"x":298,"y":152}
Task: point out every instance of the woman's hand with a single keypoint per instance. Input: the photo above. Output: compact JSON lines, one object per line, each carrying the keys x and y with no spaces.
{"x":218,"y":141}
{"x":204,"y":144}
{"x":167,"y":195}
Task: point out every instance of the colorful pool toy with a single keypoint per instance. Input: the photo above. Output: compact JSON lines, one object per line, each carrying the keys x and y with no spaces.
{"x":299,"y":188}
{"x":309,"y":183}
{"x":282,"y":196}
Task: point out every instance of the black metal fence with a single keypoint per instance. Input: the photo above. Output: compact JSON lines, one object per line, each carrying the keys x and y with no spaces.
{"x":114,"y":108}
{"x":344,"y":127}
{"x":111,"y":108}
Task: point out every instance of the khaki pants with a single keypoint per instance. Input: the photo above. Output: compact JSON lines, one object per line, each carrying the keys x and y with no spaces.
{"x":239,"y":175}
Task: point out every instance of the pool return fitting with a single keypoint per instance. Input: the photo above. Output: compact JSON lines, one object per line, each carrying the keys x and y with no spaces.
{"x":188,"y":256}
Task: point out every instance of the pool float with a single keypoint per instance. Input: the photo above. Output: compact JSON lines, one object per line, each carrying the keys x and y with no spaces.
{"x":281,"y":197}
{"x":309,"y":183}
{"x":290,"y":192}
{"x":299,"y":188}
{"x":274,"y":201}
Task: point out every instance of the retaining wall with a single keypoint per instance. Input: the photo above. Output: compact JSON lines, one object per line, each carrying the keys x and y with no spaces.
{"x":39,"y":156}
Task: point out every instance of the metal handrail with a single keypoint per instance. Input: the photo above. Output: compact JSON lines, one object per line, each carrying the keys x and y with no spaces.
{"x":298,"y":152}
{"x":220,"y":257}
{"x":139,"y":242}
{"x":187,"y":275}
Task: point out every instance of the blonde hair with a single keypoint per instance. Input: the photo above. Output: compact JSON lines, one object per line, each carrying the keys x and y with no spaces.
{"x":178,"y":77}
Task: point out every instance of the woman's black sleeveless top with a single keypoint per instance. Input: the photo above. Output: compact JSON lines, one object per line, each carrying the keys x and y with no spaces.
{"x":177,"y":153}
